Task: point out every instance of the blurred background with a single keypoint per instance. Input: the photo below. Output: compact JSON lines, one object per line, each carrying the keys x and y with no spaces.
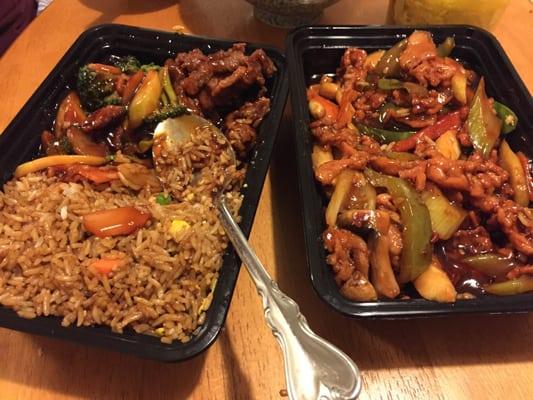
{"x":15,"y":15}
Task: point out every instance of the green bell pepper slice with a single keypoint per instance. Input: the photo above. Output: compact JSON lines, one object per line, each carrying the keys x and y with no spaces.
{"x":389,"y":64}
{"x":508,"y":117}
{"x":514,"y":286}
{"x":483,"y":125}
{"x":417,"y":249}
{"x":446,"y":47}
{"x":382,"y":135}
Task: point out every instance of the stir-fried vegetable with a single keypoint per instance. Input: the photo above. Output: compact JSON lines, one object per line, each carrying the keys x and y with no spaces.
{"x":447,"y":122}
{"x":389,"y":63}
{"x":105,"y":266}
{"x":490,"y":264}
{"x":511,"y":163}
{"x":131,"y":87}
{"x":383,"y":135}
{"x":416,"y":236}
{"x":96,"y":89}
{"x":51,"y":161}
{"x":97,"y":175}
{"x":372,"y":59}
{"x":446,"y":217}
{"x":388,"y":109}
{"x":448,"y":145}
{"x":412,"y":88}
{"x":389,"y":84}
{"x":342,"y":189}
{"x":69,"y":112}
{"x":83,"y":145}
{"x":508,"y":117}
{"x":163,"y":199}
{"x":145,"y":145}
{"x":165,"y":112}
{"x":137,"y":176}
{"x":115,"y":221}
{"x":514,"y":286}
{"x":167,"y":86}
{"x":433,"y":284}
{"x":445,"y":48}
{"x":146,"y":99}
{"x":459,"y":86}
{"x":127,"y":64}
{"x":320,"y":155}
{"x":483,"y":125}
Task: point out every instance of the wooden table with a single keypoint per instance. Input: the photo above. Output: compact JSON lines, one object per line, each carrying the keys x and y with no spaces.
{"x":470,"y":357}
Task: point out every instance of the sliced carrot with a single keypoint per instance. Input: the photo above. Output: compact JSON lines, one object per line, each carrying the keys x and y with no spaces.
{"x":106,"y":265}
{"x":444,"y":124}
{"x":52,"y":161}
{"x":104,"y":68}
{"x":131,"y":87}
{"x":121,"y":83}
{"x":95,"y":174}
{"x":115,"y":221}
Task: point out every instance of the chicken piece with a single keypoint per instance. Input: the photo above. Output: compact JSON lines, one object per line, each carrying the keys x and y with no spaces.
{"x":475,"y":176}
{"x":348,"y":253}
{"x":472,"y":241}
{"x":358,"y":288}
{"x":352,"y":68}
{"x":327,"y":172}
{"x":241,"y":124}
{"x":517,"y":223}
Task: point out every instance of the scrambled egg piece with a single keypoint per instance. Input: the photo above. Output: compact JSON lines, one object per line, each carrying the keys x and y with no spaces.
{"x":177,"y":226}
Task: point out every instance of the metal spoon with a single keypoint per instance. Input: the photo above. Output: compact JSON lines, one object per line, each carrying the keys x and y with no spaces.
{"x":314,"y":368}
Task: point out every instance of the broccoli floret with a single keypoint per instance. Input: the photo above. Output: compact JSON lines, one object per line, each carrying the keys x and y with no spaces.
{"x":165,"y":112}
{"x":112,"y":100}
{"x":127,"y":64}
{"x":94,"y":88}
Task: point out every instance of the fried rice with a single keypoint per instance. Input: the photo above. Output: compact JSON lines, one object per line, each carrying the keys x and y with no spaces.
{"x":166,"y":280}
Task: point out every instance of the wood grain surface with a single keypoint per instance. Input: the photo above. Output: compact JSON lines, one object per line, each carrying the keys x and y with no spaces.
{"x":468,"y":357}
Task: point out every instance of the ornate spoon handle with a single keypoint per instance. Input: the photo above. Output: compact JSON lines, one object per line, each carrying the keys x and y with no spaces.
{"x":314,"y":368}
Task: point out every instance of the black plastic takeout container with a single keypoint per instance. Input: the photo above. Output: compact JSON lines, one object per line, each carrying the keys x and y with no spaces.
{"x":316,"y":50}
{"x":20,"y":142}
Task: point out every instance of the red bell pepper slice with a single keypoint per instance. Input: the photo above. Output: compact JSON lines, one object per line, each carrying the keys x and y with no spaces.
{"x":444,"y":124}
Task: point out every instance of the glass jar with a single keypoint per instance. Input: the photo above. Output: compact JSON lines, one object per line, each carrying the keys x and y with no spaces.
{"x":482,"y":13}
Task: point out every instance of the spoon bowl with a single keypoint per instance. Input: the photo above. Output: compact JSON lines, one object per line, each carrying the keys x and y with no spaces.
{"x":314,"y":368}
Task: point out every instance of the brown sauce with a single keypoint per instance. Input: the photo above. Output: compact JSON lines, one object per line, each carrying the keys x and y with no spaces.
{"x":464,"y":278}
